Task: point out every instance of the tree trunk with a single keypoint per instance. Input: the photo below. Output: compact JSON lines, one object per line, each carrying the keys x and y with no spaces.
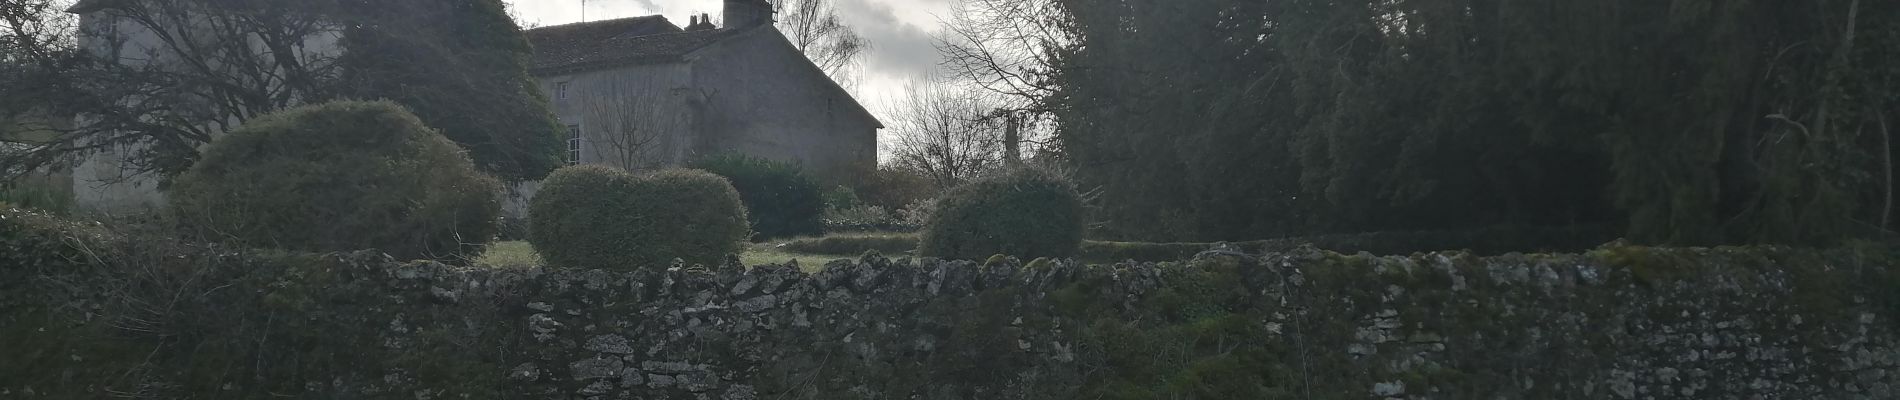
{"x":1886,"y":169}
{"x":1839,"y":63}
{"x":1012,"y":140}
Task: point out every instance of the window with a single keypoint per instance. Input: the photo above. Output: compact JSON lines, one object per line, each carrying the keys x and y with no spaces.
{"x":573,"y":144}
{"x":560,"y":90}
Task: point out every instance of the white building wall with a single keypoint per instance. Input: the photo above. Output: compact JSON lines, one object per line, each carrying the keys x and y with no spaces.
{"x":635,"y":117}
{"x":106,"y":181}
{"x":638,"y":117}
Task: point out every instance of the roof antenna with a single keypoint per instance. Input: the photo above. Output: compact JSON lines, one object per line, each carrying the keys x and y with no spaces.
{"x":583,"y":10}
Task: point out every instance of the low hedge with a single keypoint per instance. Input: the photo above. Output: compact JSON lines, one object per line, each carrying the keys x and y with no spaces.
{"x":1023,"y":211}
{"x":780,"y":200}
{"x":1489,"y":241}
{"x":1483,"y":241}
{"x":95,"y":311}
{"x":1486,"y":241}
{"x":593,"y":216}
{"x":38,"y":241}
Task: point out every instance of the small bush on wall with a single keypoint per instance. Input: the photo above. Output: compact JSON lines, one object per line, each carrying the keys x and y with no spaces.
{"x":1022,"y":211}
{"x":593,"y":216}
{"x":340,"y":176}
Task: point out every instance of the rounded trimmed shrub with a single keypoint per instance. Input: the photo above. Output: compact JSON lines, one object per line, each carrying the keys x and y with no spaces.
{"x":780,"y":200}
{"x":1022,"y":211}
{"x":593,"y":216}
{"x":340,"y":176}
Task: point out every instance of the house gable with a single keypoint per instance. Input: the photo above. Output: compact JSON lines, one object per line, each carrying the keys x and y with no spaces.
{"x":745,"y":89}
{"x":765,"y":98}
{"x":766,"y":46}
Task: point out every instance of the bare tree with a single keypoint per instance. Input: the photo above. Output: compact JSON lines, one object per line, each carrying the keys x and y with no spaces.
{"x":1886,"y":170}
{"x":1007,"y":47}
{"x":815,"y":29}
{"x":36,"y":41}
{"x":624,"y":133}
{"x":944,"y":132}
{"x":162,"y":77}
{"x":30,"y":29}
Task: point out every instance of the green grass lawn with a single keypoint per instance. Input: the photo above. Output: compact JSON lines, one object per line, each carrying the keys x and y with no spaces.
{"x":771,"y":253}
{"x":518,"y":254}
{"x":513,"y":254}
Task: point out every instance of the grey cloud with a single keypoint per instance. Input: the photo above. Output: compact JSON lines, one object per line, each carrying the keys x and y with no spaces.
{"x":898,"y":48}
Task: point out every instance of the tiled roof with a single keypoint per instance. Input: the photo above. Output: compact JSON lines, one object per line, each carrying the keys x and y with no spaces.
{"x":638,"y":40}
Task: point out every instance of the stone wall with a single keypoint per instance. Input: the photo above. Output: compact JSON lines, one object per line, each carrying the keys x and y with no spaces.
{"x":1616,"y":323}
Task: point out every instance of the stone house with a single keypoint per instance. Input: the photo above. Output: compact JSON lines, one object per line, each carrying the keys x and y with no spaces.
{"x":642,"y":92}
{"x":636,"y":93}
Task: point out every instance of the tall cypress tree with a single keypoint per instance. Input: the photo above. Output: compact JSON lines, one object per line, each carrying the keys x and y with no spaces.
{"x":1686,"y":122}
{"x":460,"y":65}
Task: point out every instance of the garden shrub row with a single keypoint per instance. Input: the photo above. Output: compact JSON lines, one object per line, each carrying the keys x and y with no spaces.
{"x":1495,"y":240}
{"x":1487,"y":241}
{"x":354,"y":175}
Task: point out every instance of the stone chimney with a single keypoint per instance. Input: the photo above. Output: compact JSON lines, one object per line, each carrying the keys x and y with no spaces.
{"x":748,"y":13}
{"x":700,"y":22}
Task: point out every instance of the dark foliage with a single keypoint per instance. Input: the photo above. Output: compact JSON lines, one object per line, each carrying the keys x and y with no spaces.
{"x":593,"y":216}
{"x":1487,"y":241}
{"x":214,"y":308}
{"x":780,"y":200}
{"x":1021,"y":211}
{"x":511,"y":228}
{"x":340,"y":176}
{"x":894,"y":188}
{"x":841,"y":197}
{"x":1686,"y":122}
{"x":461,"y":65}
{"x":48,"y":193}
{"x":36,"y":239}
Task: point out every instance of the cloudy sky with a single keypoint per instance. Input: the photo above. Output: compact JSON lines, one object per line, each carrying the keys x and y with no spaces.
{"x":899,"y":31}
